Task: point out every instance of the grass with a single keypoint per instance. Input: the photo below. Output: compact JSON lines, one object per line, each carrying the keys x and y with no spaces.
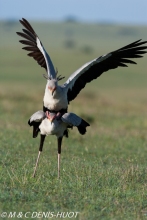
{"x":103,"y":174}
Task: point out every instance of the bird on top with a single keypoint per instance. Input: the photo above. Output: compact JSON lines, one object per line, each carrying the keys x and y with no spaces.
{"x":57,"y":97}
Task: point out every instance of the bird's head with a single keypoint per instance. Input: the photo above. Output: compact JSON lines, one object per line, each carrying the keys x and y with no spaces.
{"x":51,"y":116}
{"x":52,"y":83}
{"x":52,"y":86}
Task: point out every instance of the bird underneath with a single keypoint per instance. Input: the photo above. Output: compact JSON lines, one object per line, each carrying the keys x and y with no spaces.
{"x":55,"y":124}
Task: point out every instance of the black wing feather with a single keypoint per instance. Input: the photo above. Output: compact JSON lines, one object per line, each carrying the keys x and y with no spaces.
{"x":117,"y":58}
{"x":25,"y":36}
{"x":31,"y":43}
{"x":29,"y":34}
{"x":27,"y":25}
{"x":26,"y":42}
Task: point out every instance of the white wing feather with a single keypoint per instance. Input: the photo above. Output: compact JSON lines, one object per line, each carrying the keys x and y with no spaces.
{"x":50,"y":68}
{"x":37,"y":116}
{"x":71,"y":119}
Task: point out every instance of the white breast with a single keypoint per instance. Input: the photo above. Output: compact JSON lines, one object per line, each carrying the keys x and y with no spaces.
{"x":56,"y":102}
{"x":57,"y":127}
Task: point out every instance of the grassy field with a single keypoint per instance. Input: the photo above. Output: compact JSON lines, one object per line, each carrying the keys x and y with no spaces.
{"x":104,"y":173}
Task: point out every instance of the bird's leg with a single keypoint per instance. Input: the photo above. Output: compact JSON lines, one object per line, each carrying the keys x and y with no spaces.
{"x":42,"y":138}
{"x":59,"y":152}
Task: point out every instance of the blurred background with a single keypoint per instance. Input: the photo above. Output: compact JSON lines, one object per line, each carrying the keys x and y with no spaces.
{"x":126,"y":12}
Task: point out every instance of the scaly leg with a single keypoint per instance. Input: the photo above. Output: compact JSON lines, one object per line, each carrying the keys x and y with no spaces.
{"x":59,"y":152}
{"x":42,"y":138}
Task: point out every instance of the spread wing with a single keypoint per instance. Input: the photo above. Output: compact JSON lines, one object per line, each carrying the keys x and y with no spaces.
{"x":35,"y":120}
{"x":36,"y":117}
{"x":73,"y":120}
{"x":33,"y":44}
{"x":93,"y":69}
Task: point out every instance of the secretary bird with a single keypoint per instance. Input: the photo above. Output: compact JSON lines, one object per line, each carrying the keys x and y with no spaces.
{"x":57,"y":97}
{"x":53,"y":124}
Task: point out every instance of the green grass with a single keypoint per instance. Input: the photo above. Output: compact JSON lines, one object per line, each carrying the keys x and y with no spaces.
{"x":104,"y":173}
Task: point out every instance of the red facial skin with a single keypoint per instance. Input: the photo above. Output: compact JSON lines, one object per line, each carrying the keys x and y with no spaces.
{"x":52,"y":117}
{"x":48,"y":115}
{"x":52,"y":90}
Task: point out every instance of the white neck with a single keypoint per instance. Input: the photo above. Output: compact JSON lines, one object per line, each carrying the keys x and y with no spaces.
{"x":57,"y":101}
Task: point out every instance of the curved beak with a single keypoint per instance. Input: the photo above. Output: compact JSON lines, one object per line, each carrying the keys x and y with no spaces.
{"x":50,"y":116}
{"x":53,"y":90}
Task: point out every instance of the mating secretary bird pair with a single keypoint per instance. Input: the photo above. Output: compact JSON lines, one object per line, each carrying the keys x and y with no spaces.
{"x":54,"y":119}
